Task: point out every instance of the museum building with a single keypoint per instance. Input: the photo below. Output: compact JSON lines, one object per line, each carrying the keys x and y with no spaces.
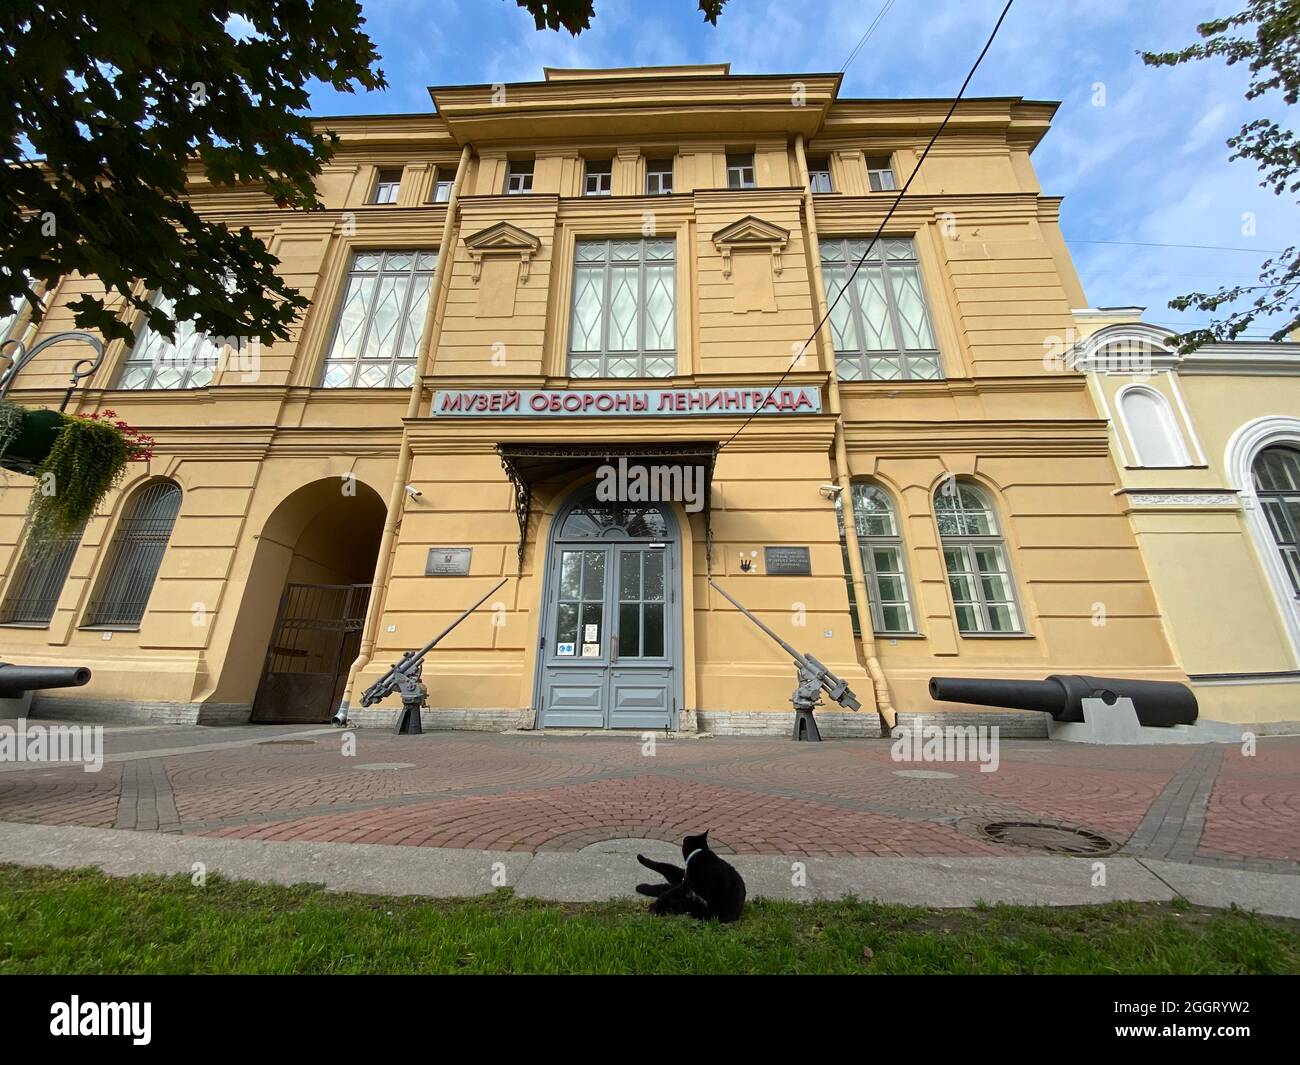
{"x":538,"y":287}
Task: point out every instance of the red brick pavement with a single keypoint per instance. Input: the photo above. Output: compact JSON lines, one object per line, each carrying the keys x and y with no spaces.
{"x":528,"y":793}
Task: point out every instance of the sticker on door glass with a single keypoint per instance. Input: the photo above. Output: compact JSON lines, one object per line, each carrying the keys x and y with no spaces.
{"x":564,"y":649}
{"x":591,"y":650}
{"x":590,"y":633}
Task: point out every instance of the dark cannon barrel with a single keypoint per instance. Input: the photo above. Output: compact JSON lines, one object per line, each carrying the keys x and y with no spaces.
{"x":15,"y":680}
{"x":1157,"y":702}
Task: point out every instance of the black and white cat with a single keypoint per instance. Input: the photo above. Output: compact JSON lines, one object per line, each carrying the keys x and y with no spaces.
{"x":707,"y":887}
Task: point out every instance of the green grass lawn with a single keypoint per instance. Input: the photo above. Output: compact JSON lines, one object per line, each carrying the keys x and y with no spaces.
{"x":55,"y":921}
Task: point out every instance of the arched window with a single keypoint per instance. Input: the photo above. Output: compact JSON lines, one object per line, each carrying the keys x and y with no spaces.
{"x":38,"y":580}
{"x":135,"y":556}
{"x":1152,"y":429}
{"x":882,"y":560}
{"x":976,"y":560}
{"x":1276,"y":472}
{"x":597,"y":519}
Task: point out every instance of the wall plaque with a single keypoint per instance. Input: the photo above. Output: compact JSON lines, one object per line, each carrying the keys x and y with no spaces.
{"x":794,"y":561}
{"x":447,"y":562}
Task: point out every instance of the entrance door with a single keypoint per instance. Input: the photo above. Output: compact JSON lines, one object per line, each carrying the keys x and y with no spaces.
{"x":317,"y":636}
{"x":611,"y":631}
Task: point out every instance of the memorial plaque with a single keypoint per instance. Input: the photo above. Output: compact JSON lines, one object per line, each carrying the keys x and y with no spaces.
{"x":447,"y":562}
{"x":790,"y":561}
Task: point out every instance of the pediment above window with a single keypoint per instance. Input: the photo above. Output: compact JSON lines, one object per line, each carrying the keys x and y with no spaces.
{"x":750,"y":232}
{"x":504,"y":240}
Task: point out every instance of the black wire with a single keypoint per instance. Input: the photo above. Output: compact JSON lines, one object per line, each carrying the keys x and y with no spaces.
{"x":879,"y":230}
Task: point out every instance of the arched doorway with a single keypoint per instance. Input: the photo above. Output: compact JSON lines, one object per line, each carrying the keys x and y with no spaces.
{"x":307,"y":595}
{"x":611,"y":646}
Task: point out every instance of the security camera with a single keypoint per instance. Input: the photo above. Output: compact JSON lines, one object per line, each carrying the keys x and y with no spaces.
{"x":830,"y":491}
{"x":413,"y":492}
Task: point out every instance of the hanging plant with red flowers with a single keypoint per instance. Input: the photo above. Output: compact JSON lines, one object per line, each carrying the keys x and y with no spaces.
{"x":90,"y":455}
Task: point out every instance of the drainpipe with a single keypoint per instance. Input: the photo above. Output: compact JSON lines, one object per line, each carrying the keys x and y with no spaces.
{"x":884,"y":704}
{"x":429,"y":335}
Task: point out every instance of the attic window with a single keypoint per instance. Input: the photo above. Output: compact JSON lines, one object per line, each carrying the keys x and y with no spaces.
{"x":387,"y":185}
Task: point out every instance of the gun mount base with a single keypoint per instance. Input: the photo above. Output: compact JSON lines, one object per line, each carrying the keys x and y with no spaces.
{"x":408,"y":719}
{"x":805,"y":727}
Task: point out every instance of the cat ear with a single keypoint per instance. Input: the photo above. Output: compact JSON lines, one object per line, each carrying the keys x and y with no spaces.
{"x":706,"y":833}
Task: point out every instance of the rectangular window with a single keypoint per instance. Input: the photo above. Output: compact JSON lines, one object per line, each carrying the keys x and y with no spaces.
{"x":880,"y":174}
{"x":881,"y":327}
{"x":519,"y":178}
{"x":624,"y":322}
{"x":387,"y":185}
{"x":154,"y":362}
{"x":597,"y":181}
{"x":441,"y":188}
{"x":34,"y":591}
{"x":981,"y":588}
{"x":380,"y":316}
{"x":819,"y":175}
{"x":659,"y":177}
{"x":740,"y":171}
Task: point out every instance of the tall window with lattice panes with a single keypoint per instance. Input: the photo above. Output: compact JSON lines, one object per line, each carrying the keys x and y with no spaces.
{"x":624,"y":320}
{"x":1276,"y":473}
{"x":976,"y":560}
{"x":135,"y":556}
{"x":188,"y":361}
{"x":380,"y":316}
{"x":883,"y":567}
{"x":881,"y":327}
{"x":38,"y":581}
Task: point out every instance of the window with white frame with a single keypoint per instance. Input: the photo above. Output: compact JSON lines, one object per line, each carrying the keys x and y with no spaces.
{"x":519,"y":177}
{"x":1276,"y":473}
{"x":659,"y":177}
{"x":388,"y":183}
{"x":596,"y":181}
{"x":819,"y":175}
{"x":380,"y":316}
{"x":1152,"y":430}
{"x":441,"y":187}
{"x":881,"y":548}
{"x":976,"y":560}
{"x":135,"y":556}
{"x":38,"y":580}
{"x":154,"y":362}
{"x":740,"y":171}
{"x":880,"y":174}
{"x":881,"y":327}
{"x":624,"y":320}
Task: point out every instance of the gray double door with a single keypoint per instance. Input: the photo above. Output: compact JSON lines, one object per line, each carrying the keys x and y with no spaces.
{"x":611,"y":634}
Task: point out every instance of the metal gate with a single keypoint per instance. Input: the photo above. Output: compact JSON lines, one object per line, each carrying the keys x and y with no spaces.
{"x":317,"y":635}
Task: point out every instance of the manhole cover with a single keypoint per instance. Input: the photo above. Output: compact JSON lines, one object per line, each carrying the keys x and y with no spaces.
{"x":385,"y":765}
{"x":924,"y":774}
{"x":286,"y":743}
{"x":1059,"y":839}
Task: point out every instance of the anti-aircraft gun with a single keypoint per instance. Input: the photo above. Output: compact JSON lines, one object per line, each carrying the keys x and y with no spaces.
{"x":814,"y":678}
{"x":405,"y":679}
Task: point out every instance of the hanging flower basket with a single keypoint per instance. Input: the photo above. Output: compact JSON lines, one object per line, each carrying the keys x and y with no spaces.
{"x":76,"y":460}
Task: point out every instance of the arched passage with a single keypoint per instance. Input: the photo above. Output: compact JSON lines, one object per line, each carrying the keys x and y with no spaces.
{"x":304,"y":602}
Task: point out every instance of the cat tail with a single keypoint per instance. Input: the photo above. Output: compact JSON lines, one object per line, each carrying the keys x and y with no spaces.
{"x":653,"y":890}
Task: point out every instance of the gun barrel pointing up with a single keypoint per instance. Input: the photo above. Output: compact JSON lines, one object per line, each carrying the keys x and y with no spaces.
{"x":788,"y":649}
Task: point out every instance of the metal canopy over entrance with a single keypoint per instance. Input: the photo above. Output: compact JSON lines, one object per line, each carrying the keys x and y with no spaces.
{"x":530,"y":464}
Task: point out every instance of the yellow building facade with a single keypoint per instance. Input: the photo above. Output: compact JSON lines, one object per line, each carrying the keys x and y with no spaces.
{"x":1207,"y":446}
{"x":515,"y":292}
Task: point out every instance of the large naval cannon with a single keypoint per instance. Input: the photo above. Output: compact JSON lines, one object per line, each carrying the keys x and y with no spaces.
{"x":1158,"y":703}
{"x":16,"y":681}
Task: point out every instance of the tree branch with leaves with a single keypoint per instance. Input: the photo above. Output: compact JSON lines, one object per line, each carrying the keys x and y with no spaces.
{"x":1265,"y":36}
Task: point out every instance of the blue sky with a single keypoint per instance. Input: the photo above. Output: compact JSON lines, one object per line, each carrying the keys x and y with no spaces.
{"x":1147,"y":166}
